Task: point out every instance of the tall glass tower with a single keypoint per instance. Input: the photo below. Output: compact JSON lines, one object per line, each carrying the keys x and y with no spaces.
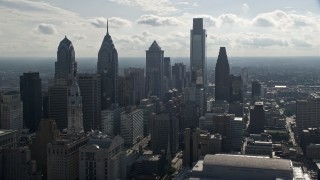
{"x":198,"y":67}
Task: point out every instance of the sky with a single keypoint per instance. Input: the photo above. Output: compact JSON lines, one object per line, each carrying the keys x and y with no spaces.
{"x":33,"y":28}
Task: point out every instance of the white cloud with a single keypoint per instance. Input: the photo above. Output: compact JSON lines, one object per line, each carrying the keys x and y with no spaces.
{"x":114,"y":22}
{"x":245,"y":8}
{"x":154,"y":20}
{"x":46,"y":29}
{"x":154,"y":6}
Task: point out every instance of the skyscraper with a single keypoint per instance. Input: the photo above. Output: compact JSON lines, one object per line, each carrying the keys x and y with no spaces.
{"x":75,"y":116}
{"x":108,"y":69}
{"x":90,"y":88}
{"x":154,"y":70}
{"x":31,"y":96}
{"x":179,"y":76}
{"x":257,"y":118}
{"x":256,"y":89}
{"x":198,"y":53}
{"x":167,"y":73}
{"x":66,"y":63}
{"x":137,"y":84}
{"x":222,"y":76}
{"x":58,"y":103}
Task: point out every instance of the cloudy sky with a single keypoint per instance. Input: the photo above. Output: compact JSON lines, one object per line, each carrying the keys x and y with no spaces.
{"x":30,"y":28}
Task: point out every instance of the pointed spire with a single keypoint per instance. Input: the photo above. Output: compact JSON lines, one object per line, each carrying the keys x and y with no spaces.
{"x":107,"y":26}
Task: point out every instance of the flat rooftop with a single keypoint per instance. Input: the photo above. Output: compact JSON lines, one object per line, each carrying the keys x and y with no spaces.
{"x":4,"y":132}
{"x":242,"y":161}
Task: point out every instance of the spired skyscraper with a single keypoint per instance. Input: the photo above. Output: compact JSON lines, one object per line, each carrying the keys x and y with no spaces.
{"x":198,"y":66}
{"x":154,"y":71}
{"x":108,"y":69}
{"x":222,"y":90}
{"x":65,"y":60}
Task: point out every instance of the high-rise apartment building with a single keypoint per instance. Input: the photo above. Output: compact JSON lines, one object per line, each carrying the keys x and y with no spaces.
{"x":222,"y":89}
{"x":154,"y":71}
{"x":90,"y":87}
{"x":198,"y":53}
{"x":11,"y":111}
{"x":108,"y":69}
{"x":102,"y":158}
{"x":65,"y":65}
{"x":31,"y":96}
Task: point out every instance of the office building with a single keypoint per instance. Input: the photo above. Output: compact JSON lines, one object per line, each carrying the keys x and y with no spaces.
{"x":65,"y":64}
{"x":63,"y":157}
{"x":11,"y":111}
{"x":237,"y":133}
{"x":31,"y":96}
{"x":164,"y":132}
{"x":8,"y":139}
{"x":236,"y":85}
{"x":222,"y":77}
{"x":108,"y":69}
{"x":47,"y":132}
{"x":258,"y":148}
{"x":110,"y":120}
{"x":149,"y":165}
{"x":196,"y":95}
{"x":309,"y":136}
{"x":308,"y":113}
{"x":131,"y":125}
{"x":256,"y":89}
{"x":148,"y":108}
{"x":167,"y":72}
{"x":218,"y":123}
{"x":58,"y":103}
{"x":154,"y":71}
{"x":190,"y":114}
{"x":223,"y":166}
{"x":209,"y":143}
{"x":179,"y":76}
{"x":198,"y":53}
{"x":257,"y":118}
{"x":137,"y":84}
{"x":75,"y":116}
{"x":102,"y":158}
{"x":16,"y":163}
{"x":90,"y":88}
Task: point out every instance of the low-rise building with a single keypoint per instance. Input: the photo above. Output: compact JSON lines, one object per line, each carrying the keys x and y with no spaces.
{"x":240,"y":167}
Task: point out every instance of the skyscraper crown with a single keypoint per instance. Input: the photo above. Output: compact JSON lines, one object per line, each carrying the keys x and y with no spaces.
{"x":154,"y":46}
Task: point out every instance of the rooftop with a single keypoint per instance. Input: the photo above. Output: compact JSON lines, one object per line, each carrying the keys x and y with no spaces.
{"x":4,"y":132}
{"x":242,"y":161}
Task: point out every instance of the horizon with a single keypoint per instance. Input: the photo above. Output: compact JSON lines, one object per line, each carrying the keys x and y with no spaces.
{"x":247,"y":28}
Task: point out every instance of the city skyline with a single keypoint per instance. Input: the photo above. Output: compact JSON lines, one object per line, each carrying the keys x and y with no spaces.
{"x":246,"y":28}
